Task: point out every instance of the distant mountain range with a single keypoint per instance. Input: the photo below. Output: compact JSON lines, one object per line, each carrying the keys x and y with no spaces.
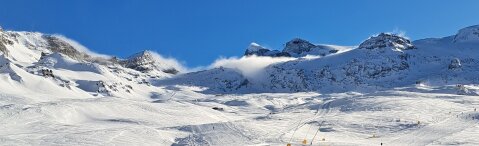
{"x":382,"y":61}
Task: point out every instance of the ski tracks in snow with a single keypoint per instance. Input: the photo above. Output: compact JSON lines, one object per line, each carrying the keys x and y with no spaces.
{"x":430,"y":133}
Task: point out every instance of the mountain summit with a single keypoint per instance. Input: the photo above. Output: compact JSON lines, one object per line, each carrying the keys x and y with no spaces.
{"x":467,"y":34}
{"x":146,"y":61}
{"x":384,"y":40}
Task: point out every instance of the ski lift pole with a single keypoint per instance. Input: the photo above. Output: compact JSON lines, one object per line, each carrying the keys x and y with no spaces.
{"x":316,"y":133}
{"x":306,"y":135}
{"x":297,"y":127}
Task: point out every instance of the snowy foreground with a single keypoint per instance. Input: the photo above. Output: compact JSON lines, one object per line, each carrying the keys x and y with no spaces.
{"x":405,"y":116}
{"x":386,"y":91}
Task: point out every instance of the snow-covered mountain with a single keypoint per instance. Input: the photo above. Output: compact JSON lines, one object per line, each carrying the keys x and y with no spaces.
{"x":30,"y":59}
{"x":388,"y":89}
{"x":382,"y":61}
{"x":295,"y":48}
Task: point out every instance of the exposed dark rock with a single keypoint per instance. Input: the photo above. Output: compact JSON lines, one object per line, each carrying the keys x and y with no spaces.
{"x":218,"y":108}
{"x":145,"y":61}
{"x":47,"y":73}
{"x":140,"y":61}
{"x":171,"y":71}
{"x":455,"y":64}
{"x":3,"y":49}
{"x":384,"y":40}
{"x":255,"y":49}
{"x":298,"y":46}
{"x":3,"y":42}
{"x":57,"y":45}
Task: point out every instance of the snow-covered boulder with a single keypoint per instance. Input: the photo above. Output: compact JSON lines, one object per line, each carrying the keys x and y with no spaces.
{"x":467,"y":34}
{"x":455,"y":64}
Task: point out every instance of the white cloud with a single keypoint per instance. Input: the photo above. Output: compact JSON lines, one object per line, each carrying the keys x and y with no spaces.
{"x":250,"y":66}
{"x":170,"y":62}
{"x":399,"y":32}
{"x":80,"y":47}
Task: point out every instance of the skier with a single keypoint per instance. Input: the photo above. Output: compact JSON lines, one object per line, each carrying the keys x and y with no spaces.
{"x":381,"y":143}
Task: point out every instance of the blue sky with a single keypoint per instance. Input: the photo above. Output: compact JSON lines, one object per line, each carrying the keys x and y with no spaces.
{"x":199,"y":31}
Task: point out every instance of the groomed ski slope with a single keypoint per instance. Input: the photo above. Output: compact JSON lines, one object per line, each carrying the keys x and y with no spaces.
{"x":390,"y":117}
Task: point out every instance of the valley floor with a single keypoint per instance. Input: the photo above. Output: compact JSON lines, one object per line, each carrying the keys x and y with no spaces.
{"x":403,"y":116}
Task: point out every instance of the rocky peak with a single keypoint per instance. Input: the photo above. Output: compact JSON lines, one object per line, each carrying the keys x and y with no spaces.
{"x":470,"y":33}
{"x":56,"y":44}
{"x":298,"y":46}
{"x":139,"y":59}
{"x":384,"y":40}
{"x":255,"y":49}
{"x":145,"y":61}
{"x":143,"y":57}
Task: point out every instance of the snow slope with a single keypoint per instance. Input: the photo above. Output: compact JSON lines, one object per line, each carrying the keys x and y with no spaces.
{"x":387,"y":90}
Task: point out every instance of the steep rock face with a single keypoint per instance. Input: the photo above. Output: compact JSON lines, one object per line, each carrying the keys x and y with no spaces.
{"x":467,"y":34}
{"x":4,"y":40}
{"x":384,"y":40}
{"x":300,"y":48}
{"x":145,"y":61}
{"x":57,"y":45}
{"x":294,"y":48}
{"x":255,"y":49}
{"x":141,"y":61}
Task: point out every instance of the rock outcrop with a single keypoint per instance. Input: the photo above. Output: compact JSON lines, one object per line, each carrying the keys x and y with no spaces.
{"x":255,"y":49}
{"x":384,"y":40}
{"x":145,"y":62}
